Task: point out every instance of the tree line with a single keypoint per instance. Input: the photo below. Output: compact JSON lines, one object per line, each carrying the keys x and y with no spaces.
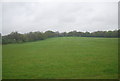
{"x":16,"y":37}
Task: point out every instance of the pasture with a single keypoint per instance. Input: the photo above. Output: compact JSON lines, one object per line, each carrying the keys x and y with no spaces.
{"x":62,"y":58}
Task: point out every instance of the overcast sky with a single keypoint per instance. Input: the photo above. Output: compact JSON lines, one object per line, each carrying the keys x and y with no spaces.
{"x":58,"y":16}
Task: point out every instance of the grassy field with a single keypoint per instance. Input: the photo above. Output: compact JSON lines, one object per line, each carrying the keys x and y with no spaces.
{"x":62,"y":57}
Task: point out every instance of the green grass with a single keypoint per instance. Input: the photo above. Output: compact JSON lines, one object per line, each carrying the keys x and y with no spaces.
{"x":62,"y":57}
{"x":0,"y":62}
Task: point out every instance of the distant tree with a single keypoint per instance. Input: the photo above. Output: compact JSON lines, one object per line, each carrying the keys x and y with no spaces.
{"x":50,"y":34}
{"x":0,"y":39}
{"x":73,"y":33}
{"x":87,"y":34}
{"x":63,"y":34}
{"x":119,"y":33}
{"x":16,"y":37}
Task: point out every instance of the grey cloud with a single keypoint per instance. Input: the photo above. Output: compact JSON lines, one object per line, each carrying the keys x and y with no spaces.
{"x":25,"y":17}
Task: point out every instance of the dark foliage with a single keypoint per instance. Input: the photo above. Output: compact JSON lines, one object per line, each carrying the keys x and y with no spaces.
{"x":16,"y":37}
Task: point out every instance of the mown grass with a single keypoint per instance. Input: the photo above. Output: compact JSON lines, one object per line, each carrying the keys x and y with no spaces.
{"x":62,"y":57}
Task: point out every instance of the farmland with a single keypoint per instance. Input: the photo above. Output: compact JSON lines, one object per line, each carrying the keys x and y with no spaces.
{"x":62,"y":57}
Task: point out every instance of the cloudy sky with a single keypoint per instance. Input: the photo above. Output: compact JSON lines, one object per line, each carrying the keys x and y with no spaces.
{"x":58,"y":16}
